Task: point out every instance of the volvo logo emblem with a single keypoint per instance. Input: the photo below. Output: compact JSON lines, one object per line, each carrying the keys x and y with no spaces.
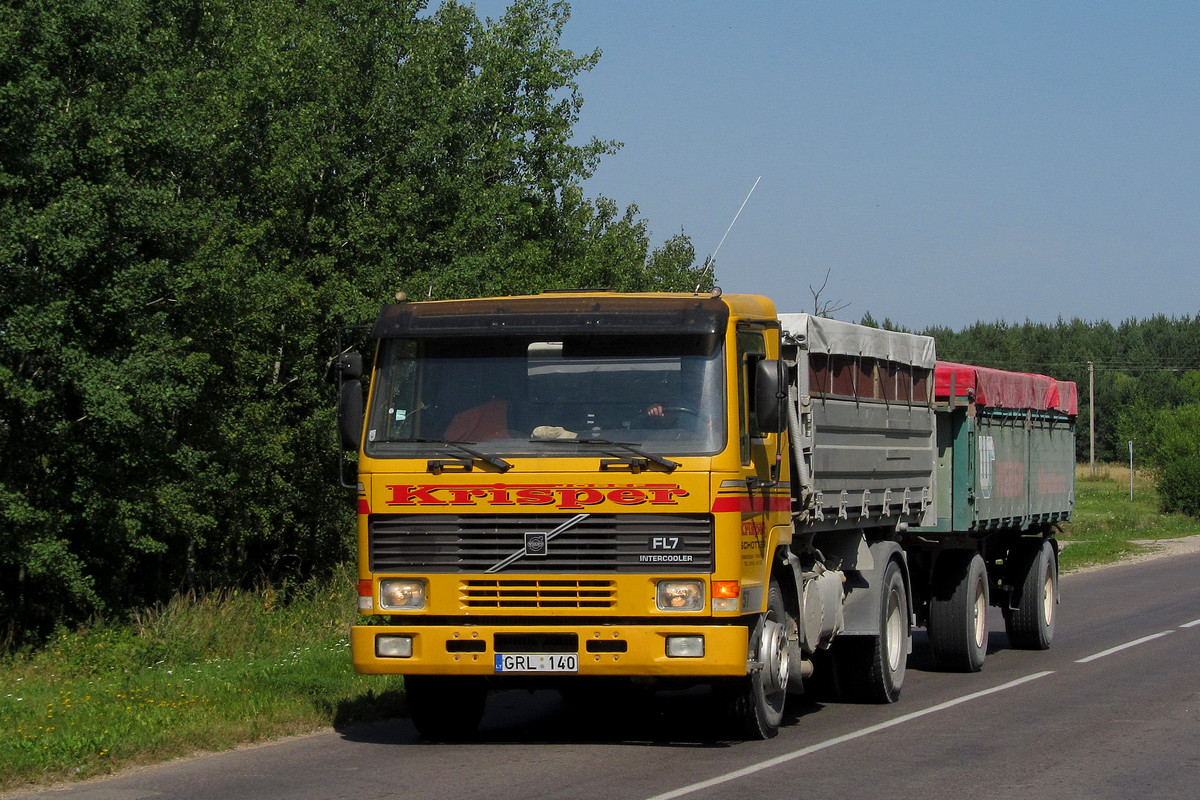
{"x":535,"y":544}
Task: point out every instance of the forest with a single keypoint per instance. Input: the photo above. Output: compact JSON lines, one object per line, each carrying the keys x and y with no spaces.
{"x":199,"y":200}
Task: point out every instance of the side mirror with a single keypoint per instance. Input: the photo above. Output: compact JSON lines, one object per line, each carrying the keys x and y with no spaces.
{"x":349,"y":368}
{"x":349,"y":365}
{"x":350,"y":413}
{"x":770,"y":396}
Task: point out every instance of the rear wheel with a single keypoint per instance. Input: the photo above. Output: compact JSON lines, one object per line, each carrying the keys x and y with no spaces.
{"x":445,"y":708}
{"x":870,"y":669}
{"x":1030,"y":622}
{"x":756,"y":702}
{"x":958,"y":631}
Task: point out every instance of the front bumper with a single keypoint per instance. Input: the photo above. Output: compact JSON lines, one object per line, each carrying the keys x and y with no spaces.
{"x":603,"y":650}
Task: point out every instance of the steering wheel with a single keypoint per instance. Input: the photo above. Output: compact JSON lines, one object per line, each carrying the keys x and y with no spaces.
{"x":680,"y":410}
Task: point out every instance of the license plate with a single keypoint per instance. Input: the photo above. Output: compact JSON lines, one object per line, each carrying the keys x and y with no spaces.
{"x":537,"y":662}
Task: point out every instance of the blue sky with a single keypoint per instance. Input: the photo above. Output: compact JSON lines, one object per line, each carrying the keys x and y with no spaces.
{"x":946,"y":162}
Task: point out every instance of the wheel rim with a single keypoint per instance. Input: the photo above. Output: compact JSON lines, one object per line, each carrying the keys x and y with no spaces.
{"x":1048,"y":595}
{"x":773,"y":653}
{"x":895,"y":632}
{"x":980,"y":614}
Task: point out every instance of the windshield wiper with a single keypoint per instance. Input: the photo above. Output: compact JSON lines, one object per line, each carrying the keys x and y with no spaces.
{"x":437,"y":465}
{"x":629,"y":447}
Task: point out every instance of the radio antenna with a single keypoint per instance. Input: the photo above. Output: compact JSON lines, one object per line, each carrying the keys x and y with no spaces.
{"x":710,"y":262}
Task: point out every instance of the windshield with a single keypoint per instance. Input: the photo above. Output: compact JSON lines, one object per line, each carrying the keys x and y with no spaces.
{"x":534,"y":395}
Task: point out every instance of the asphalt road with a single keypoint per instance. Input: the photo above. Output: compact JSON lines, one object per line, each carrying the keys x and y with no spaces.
{"x":1112,"y":710}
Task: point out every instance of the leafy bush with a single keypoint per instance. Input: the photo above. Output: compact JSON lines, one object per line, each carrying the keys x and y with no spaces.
{"x":1175,"y":454}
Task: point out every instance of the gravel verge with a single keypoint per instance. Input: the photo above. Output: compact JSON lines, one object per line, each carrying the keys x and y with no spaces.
{"x":1152,"y":549}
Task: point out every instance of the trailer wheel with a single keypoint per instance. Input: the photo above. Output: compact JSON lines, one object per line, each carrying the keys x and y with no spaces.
{"x":755,"y":702}
{"x":445,"y":708}
{"x":870,"y":669}
{"x":1030,"y":623}
{"x":958,"y":630}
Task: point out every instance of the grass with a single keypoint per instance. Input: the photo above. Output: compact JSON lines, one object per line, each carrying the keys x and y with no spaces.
{"x":210,"y":673}
{"x":200,"y":674}
{"x":1107,"y":526}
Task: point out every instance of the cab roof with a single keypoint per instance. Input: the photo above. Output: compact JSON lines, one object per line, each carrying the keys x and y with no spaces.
{"x":596,"y":312}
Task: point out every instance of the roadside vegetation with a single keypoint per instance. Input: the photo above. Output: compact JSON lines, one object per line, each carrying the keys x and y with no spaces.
{"x":211,"y":673}
{"x":198,"y":674}
{"x":1107,"y":525}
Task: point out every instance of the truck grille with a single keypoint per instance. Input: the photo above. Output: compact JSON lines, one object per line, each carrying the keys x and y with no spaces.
{"x":538,"y":594}
{"x":596,"y":543}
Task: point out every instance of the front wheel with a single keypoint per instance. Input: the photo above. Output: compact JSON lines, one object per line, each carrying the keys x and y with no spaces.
{"x":445,"y":708}
{"x":756,"y":702}
{"x":1030,"y":622}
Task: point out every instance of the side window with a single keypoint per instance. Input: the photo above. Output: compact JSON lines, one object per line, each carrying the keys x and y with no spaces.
{"x":751,"y":350}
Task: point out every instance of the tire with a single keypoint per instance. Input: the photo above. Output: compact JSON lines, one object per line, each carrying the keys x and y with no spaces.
{"x":755,"y":703}
{"x":870,"y":669}
{"x":958,"y":630}
{"x":445,"y":709}
{"x":1029,"y":623}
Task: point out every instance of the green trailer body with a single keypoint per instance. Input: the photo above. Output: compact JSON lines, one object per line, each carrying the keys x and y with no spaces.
{"x":1005,"y":450}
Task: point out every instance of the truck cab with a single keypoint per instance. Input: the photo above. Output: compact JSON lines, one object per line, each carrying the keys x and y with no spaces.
{"x":565,"y":486}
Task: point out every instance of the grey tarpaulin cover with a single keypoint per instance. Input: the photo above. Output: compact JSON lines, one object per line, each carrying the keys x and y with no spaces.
{"x":845,"y":338}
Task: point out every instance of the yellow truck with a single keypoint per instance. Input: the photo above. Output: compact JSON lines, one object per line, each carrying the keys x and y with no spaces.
{"x":577,"y":488}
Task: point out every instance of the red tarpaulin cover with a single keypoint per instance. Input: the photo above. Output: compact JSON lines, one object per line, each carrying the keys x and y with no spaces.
{"x":1001,"y":389}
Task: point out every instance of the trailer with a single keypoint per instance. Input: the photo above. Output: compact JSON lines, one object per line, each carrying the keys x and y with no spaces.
{"x":959,"y":474}
{"x":1006,"y":477}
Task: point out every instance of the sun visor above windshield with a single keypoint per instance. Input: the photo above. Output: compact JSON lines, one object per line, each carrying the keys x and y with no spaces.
{"x":551,"y":314}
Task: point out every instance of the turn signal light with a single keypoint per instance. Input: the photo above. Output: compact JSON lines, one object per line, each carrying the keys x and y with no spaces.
{"x":726,"y":595}
{"x":726,"y":588}
{"x":366,"y":596}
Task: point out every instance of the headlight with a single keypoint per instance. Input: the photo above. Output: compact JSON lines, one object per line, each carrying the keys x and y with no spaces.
{"x":401,"y":594}
{"x":680,"y":596}
{"x":393,"y":646}
{"x":685,"y":646}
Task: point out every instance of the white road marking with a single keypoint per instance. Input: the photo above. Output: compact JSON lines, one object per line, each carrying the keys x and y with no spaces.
{"x":815,"y":748}
{"x":1191,"y":624}
{"x":1125,"y":646}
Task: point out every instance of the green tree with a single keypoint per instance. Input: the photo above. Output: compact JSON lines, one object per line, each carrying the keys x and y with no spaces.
{"x":1174,"y":451}
{"x":194,"y":199}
